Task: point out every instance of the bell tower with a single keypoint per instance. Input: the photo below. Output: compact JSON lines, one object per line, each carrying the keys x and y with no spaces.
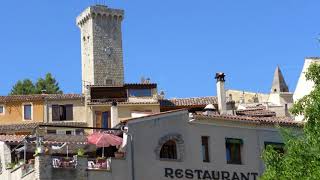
{"x":101,"y":46}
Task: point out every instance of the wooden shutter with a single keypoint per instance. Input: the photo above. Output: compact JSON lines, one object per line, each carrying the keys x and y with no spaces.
{"x":69,"y":112}
{"x":98,"y":119}
{"x":55,"y":113}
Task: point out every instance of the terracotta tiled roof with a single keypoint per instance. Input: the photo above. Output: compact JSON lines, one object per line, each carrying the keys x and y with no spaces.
{"x":286,"y":121}
{"x":30,"y":126}
{"x":122,"y":103}
{"x":256,"y":112}
{"x":48,"y":139}
{"x":39,"y":97}
{"x":196,"y":101}
{"x":126,"y":85}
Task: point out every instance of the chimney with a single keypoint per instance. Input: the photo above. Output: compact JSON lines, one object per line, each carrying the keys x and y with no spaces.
{"x":222,"y":105}
{"x":114,"y":114}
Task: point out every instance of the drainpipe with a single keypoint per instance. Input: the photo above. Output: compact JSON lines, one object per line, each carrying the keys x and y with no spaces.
{"x":132,"y":155}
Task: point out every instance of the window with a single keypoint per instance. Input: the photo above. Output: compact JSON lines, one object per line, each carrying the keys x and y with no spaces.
{"x":27,"y":112}
{"x":2,"y":110}
{"x":51,"y":131}
{"x":233,"y":150}
{"x":140,"y":92}
{"x":279,"y":147}
{"x":62,"y":112}
{"x":205,"y":148}
{"x":169,"y":150}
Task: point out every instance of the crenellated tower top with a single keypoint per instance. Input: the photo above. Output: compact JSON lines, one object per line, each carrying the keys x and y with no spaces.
{"x":99,"y":10}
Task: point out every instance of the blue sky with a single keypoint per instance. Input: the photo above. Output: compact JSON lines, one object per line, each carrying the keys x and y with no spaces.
{"x":178,"y":44}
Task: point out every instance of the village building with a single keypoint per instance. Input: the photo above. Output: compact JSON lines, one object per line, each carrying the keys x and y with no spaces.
{"x":55,"y":136}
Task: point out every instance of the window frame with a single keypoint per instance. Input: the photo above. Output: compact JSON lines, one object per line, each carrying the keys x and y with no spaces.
{"x":137,"y":89}
{"x":205,"y":149}
{"x":64,"y":107}
{"x":3,"y":110}
{"x":172,"y":150}
{"x":179,"y":145}
{"x":274,"y":144}
{"x":238,"y":143}
{"x":23,"y":111}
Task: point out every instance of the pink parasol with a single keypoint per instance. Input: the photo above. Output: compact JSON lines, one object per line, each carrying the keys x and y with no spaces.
{"x":104,"y":140}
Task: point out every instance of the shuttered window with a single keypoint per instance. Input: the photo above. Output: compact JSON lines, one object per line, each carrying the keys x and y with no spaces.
{"x":233,"y":150}
{"x":62,"y":112}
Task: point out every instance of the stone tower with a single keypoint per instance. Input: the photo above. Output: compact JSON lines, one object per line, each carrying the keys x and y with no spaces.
{"x":101,"y":46}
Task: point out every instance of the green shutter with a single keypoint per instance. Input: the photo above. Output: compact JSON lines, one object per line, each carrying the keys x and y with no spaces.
{"x":234,"y":141}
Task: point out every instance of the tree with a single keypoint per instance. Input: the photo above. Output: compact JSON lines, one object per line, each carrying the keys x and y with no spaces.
{"x":301,"y":159}
{"x":49,"y":85}
{"x":23,"y":88}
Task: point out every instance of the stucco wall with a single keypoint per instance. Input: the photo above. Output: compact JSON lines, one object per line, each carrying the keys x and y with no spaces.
{"x":147,"y":134}
{"x":79,"y":111}
{"x":14,"y":112}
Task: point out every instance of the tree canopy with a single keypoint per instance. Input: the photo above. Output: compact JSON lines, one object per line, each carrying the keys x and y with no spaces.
{"x":47,"y":85}
{"x":301,"y":159}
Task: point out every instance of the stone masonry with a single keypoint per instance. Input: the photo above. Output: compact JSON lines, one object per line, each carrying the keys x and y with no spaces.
{"x":101,"y":46}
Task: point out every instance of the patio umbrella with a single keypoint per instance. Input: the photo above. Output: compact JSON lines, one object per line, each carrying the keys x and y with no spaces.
{"x":104,"y":140}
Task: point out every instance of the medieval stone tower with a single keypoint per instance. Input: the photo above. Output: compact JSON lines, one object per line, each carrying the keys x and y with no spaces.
{"x":101,"y":46}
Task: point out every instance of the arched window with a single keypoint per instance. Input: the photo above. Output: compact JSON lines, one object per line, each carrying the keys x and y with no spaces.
{"x":169,"y":150}
{"x":170,"y":147}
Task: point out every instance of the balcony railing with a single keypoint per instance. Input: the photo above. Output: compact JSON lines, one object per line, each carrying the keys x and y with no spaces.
{"x":27,"y":168}
{"x":64,"y":162}
{"x":106,"y":100}
{"x":99,"y":164}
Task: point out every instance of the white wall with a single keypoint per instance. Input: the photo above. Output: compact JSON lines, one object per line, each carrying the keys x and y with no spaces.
{"x":147,"y":134}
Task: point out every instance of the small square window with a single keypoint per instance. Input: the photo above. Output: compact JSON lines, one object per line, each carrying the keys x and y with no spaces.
{"x":27,"y":112}
{"x":279,"y":147}
{"x":233,"y":150}
{"x":51,"y":131}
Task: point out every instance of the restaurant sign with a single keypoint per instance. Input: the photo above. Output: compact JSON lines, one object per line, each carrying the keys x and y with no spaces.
{"x":171,"y":173}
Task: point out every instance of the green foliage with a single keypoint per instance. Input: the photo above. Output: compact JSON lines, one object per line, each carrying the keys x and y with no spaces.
{"x":301,"y":159}
{"x":81,"y":152}
{"x":48,"y":85}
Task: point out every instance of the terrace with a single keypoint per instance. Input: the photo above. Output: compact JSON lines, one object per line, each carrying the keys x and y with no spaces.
{"x":57,"y":156}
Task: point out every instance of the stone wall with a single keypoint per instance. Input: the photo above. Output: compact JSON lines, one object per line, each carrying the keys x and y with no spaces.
{"x":101,"y":43}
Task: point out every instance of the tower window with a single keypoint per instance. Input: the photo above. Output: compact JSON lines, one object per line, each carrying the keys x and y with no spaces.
{"x":109,"y":82}
{"x":169,"y":150}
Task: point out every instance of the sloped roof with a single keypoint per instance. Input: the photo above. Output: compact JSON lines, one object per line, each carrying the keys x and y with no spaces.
{"x":285,"y":121}
{"x":256,"y":112}
{"x":30,"y":126}
{"x":279,"y":84}
{"x":39,"y":97}
{"x":48,"y":139}
{"x":184,"y":102}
